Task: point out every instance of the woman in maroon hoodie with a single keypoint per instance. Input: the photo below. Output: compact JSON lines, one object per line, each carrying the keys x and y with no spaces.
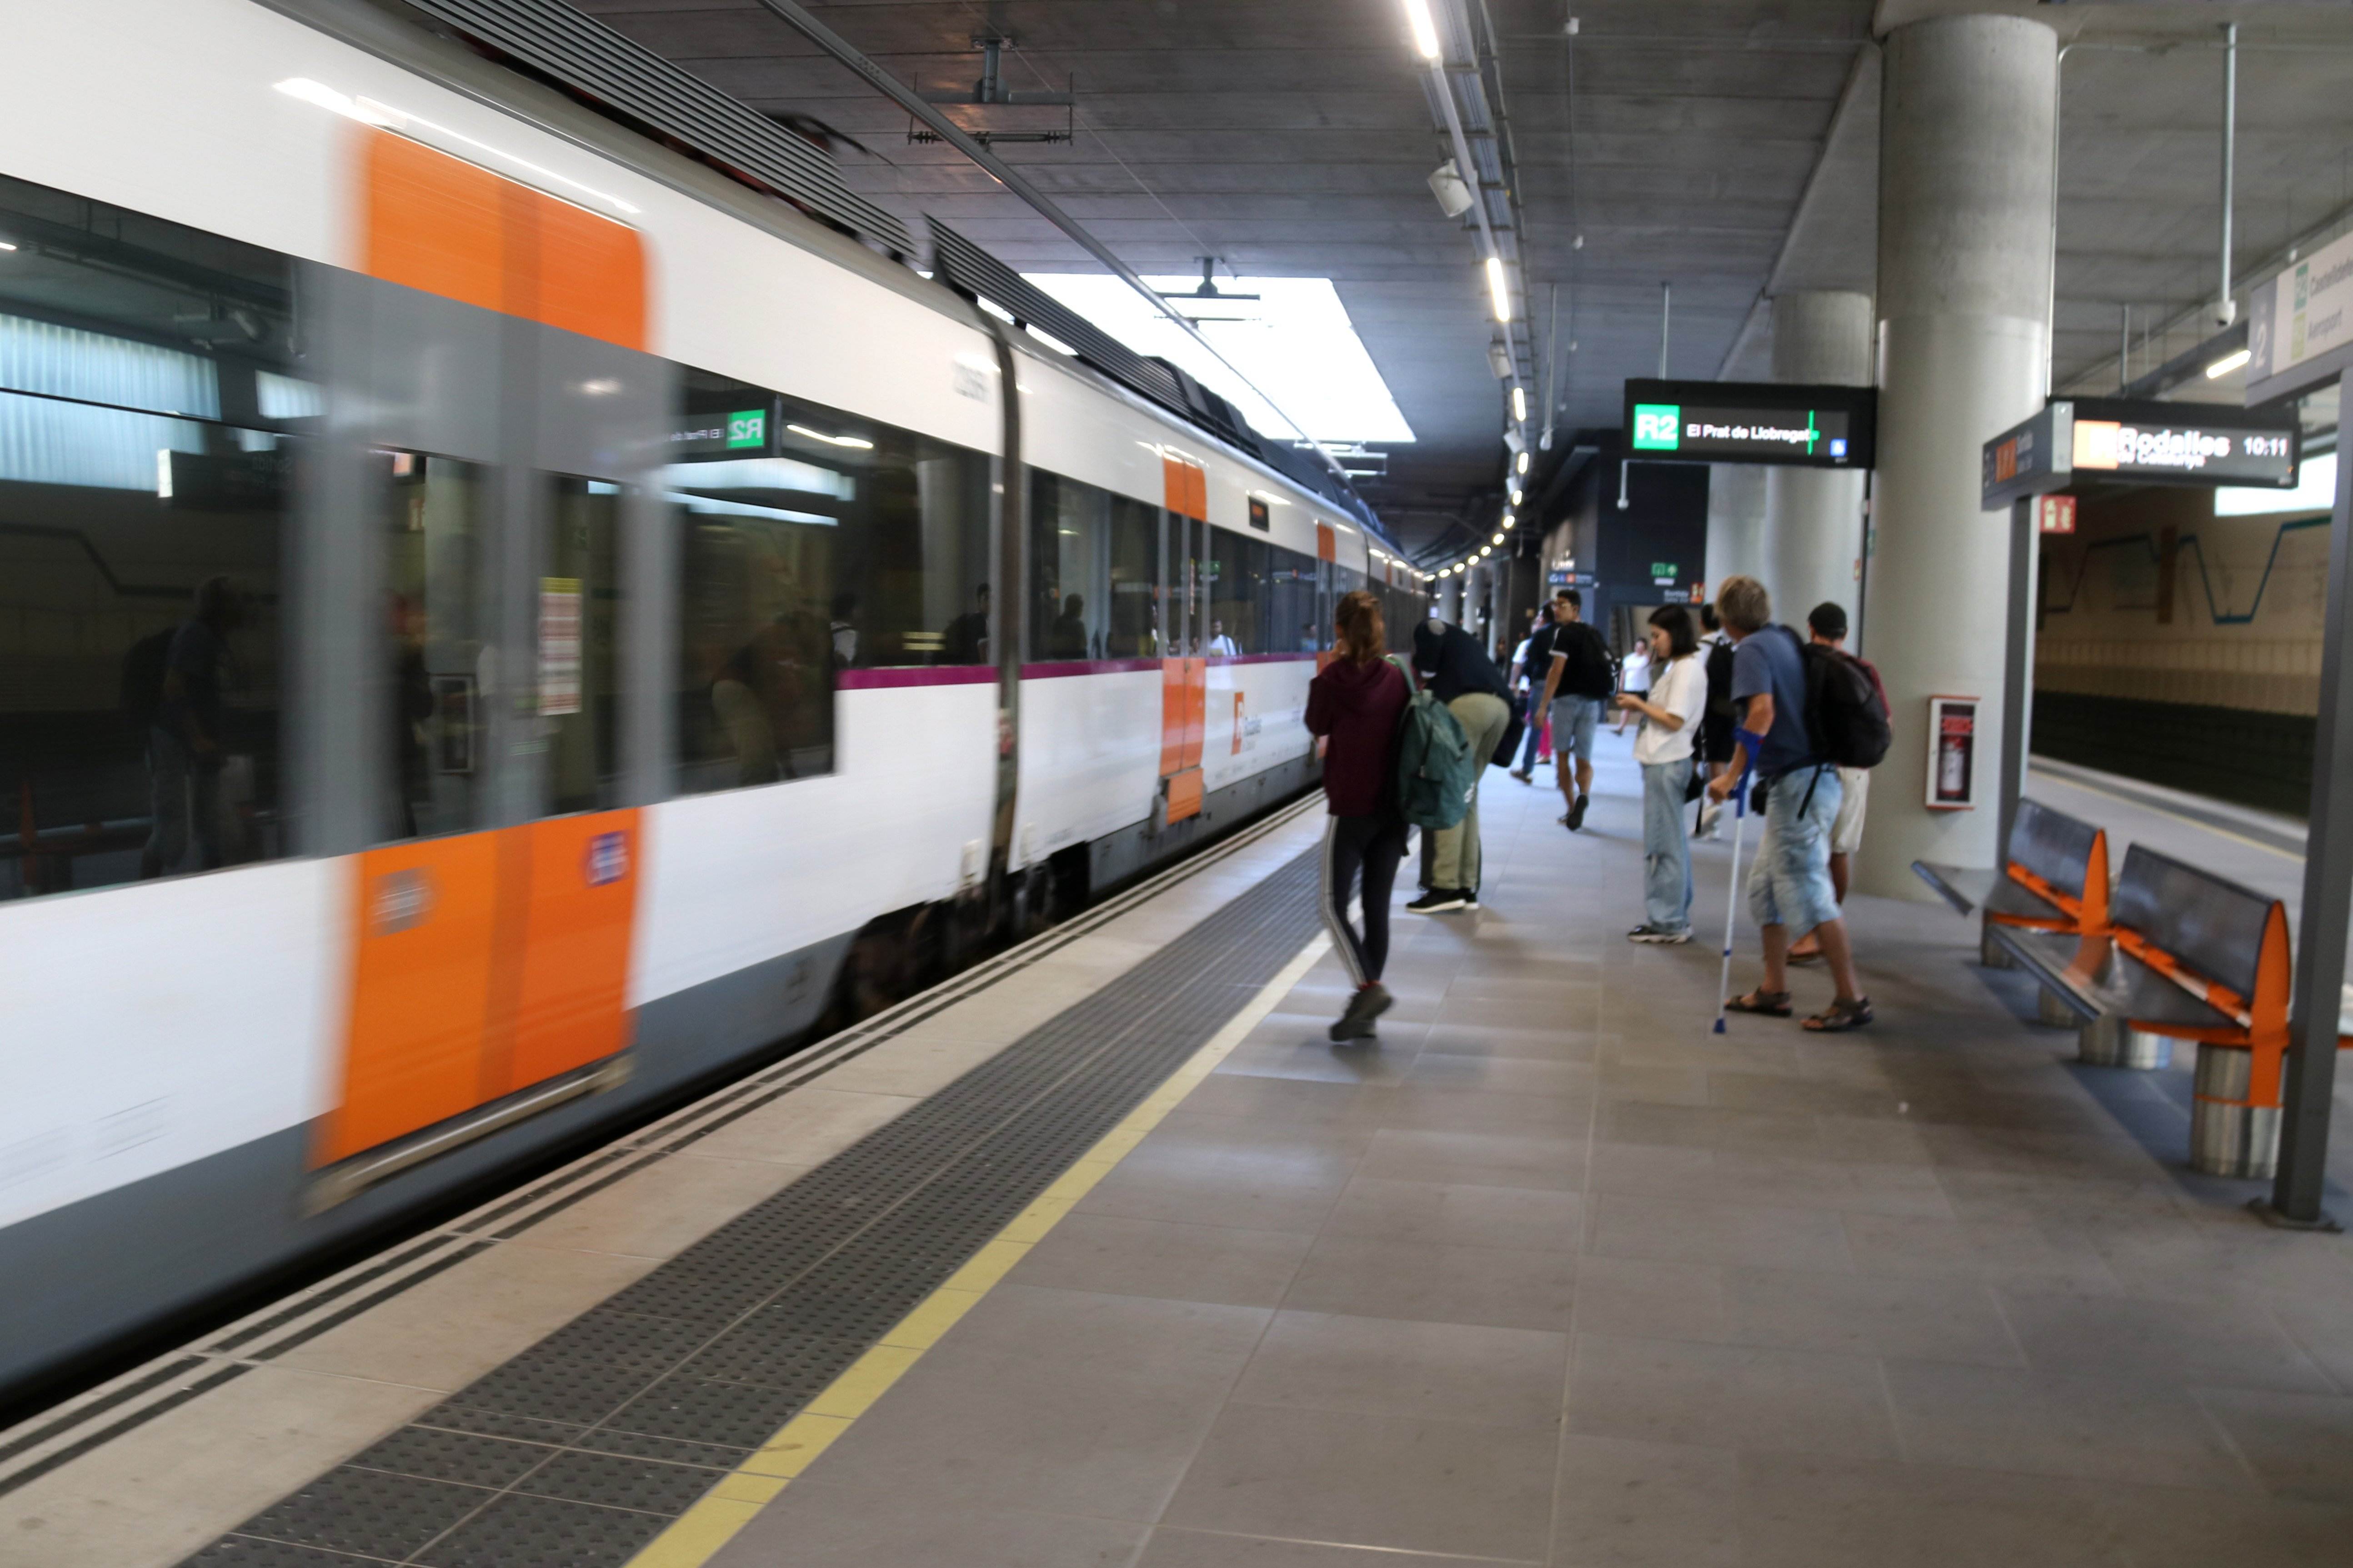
{"x":1356,"y":702}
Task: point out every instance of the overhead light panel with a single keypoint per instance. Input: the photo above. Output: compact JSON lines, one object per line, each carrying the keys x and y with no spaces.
{"x":1520,"y":464}
{"x":1486,"y":551}
{"x":1497,"y":540}
{"x":1520,"y":404}
{"x":2227,"y":364}
{"x":1425,"y":31}
{"x":1515,"y":495}
{"x":1499,"y":288}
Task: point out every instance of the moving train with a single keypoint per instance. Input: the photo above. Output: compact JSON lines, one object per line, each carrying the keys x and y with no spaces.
{"x":506,"y":615}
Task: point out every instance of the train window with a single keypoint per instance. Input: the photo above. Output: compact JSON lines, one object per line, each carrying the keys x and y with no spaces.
{"x":142,"y":502}
{"x":439,"y":602}
{"x":1292,"y":615}
{"x":1134,"y":581}
{"x":758,"y":663}
{"x":1237,"y":594}
{"x":1069,"y":563}
{"x":579,"y":632}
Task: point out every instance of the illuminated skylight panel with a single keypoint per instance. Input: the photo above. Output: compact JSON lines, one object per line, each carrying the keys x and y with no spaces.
{"x":1295,"y":342}
{"x":2315,"y":490}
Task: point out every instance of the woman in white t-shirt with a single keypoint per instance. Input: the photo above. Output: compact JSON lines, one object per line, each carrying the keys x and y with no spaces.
{"x":1670,"y":713}
{"x":1633,"y":677}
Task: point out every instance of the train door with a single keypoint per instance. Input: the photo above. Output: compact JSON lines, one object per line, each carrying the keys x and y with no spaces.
{"x":476,"y":745}
{"x":1183,"y":672}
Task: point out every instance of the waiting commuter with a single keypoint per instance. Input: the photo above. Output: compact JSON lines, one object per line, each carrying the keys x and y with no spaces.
{"x":1790,"y":882}
{"x":186,"y":747}
{"x":1533,"y":655}
{"x":1220,"y":645}
{"x":843,"y":630}
{"x":1634,"y":676}
{"x":1662,"y":746}
{"x":1459,"y":673}
{"x":1356,"y":702}
{"x":1827,"y":622}
{"x":1716,"y":725}
{"x":1581,"y":679}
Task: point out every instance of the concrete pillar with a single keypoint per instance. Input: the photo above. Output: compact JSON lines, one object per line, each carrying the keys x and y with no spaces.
{"x":1966,"y":122}
{"x":1735,"y":523}
{"x":1813,"y":517}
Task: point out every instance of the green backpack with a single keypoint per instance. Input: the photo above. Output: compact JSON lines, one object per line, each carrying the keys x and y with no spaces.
{"x":1435,"y":769}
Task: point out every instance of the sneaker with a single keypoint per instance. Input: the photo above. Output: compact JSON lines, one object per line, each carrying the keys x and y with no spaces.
{"x":1356,"y":1023}
{"x":1437,"y":902}
{"x":1577,"y":812}
{"x":1647,"y":932}
{"x":1471,"y":898}
{"x":1708,"y":819}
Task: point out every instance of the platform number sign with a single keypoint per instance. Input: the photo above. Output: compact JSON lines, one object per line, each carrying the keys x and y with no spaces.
{"x":1658,"y":427}
{"x":747,"y":430}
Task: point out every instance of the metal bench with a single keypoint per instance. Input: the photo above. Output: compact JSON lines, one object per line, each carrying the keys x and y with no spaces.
{"x":2187,"y":956}
{"x":2054,"y":878}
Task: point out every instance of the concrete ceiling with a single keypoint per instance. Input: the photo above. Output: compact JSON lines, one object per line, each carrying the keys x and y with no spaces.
{"x":1725,"y":146}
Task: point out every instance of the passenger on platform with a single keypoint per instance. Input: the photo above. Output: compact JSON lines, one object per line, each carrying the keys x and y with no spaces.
{"x":186,"y":748}
{"x":1716,"y":725}
{"x":843,"y":630}
{"x":1220,"y":645}
{"x":1533,"y":653}
{"x":1671,"y":712}
{"x":1827,"y":622}
{"x":1459,"y":673}
{"x":1789,"y":881}
{"x":965,"y":639}
{"x":1634,"y":676}
{"x":1356,"y":702}
{"x":1581,"y":679}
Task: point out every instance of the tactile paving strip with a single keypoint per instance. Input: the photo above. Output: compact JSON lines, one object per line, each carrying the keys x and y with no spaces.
{"x":580,"y":1450}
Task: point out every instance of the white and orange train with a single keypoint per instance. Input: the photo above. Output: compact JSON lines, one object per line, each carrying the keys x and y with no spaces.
{"x":492,"y":608}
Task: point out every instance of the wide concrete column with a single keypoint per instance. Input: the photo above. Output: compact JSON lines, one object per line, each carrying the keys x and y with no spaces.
{"x":1735,"y":522}
{"x":1966,"y":122}
{"x":1813,"y":517}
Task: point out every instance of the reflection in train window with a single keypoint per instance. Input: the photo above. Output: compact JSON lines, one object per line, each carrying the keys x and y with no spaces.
{"x":579,"y":632}
{"x":1237,"y":594}
{"x":758,"y":655}
{"x":143,"y":491}
{"x":905,"y":578}
{"x":440,"y":613}
{"x":1134,"y":581}
{"x":1292,"y":615}
{"x":1069,"y":532}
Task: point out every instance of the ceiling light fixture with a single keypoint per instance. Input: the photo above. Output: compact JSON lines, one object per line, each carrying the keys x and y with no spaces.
{"x":2227,"y":364}
{"x":1452,"y":191}
{"x":1520,"y":464}
{"x":1486,"y":551}
{"x":6,"y":244}
{"x":856,"y":442}
{"x":1499,"y":290}
{"x":1519,"y":405}
{"x":1498,"y":539}
{"x":1425,"y":31}
{"x":1515,"y":495}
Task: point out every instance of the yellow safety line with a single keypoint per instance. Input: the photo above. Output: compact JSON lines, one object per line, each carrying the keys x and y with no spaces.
{"x":728,"y":1507}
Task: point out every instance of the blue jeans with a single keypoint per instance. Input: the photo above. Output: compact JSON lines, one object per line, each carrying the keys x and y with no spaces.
{"x":1666,"y":853}
{"x":1789,"y":881}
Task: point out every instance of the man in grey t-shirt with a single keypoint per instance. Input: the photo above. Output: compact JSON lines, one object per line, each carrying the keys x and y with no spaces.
{"x":1790,"y":882}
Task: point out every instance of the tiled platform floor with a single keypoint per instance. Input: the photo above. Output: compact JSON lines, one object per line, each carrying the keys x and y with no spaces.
{"x":1553,"y":1275}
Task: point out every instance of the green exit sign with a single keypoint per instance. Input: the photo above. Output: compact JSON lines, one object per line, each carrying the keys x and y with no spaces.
{"x":1658,"y":427}
{"x":1666,"y":570}
{"x":747,"y":430}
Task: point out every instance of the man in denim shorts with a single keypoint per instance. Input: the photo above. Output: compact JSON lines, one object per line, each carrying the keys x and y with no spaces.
{"x":1579,"y":680}
{"x":1790,"y":884}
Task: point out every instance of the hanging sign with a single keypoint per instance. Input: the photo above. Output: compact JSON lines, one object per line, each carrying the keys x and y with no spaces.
{"x":2142,"y":442}
{"x":1751,"y":422}
{"x":2054,"y":514}
{"x":2300,"y":325}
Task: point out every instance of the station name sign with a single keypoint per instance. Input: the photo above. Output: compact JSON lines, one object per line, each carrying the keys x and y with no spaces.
{"x":2140,"y":442}
{"x":1751,"y":422}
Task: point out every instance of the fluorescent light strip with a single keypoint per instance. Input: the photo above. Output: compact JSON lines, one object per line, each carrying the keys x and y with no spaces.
{"x":369,"y":111}
{"x":1499,"y":290}
{"x":1425,"y":32}
{"x":2227,"y":364}
{"x":856,"y":442}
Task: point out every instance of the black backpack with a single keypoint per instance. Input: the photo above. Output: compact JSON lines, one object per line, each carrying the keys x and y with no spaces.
{"x":1590,"y":671}
{"x":1846,"y":724}
{"x":140,"y":695}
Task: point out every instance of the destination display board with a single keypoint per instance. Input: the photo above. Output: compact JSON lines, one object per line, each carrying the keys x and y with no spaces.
{"x":2136,"y":441}
{"x":1751,"y":422}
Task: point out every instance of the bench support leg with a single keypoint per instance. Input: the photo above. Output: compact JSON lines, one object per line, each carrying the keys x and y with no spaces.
{"x":2107,"y":1041}
{"x":1991,"y":952}
{"x":2050,"y":1010}
{"x":2227,"y":1136}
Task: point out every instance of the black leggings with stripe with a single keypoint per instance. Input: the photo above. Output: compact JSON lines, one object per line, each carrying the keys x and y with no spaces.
{"x":1368,"y":848}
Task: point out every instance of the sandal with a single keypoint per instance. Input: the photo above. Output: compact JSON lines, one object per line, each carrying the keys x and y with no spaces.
{"x":1840,"y":1016}
{"x":1771,"y":1003}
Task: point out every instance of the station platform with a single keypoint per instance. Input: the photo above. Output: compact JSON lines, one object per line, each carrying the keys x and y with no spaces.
{"x":1102,"y":1255}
